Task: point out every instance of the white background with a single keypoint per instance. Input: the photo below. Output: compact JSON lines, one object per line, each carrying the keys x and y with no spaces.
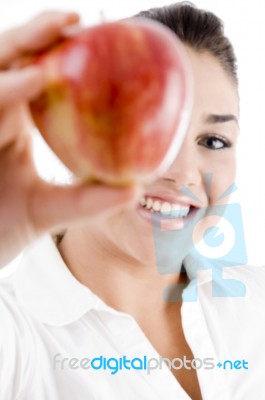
{"x":245,"y":26}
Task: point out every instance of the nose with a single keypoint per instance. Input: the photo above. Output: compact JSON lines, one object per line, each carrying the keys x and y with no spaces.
{"x":185,"y":170}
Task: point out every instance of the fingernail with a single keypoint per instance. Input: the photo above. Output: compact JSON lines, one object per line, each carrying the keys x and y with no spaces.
{"x":71,"y":30}
{"x":72,"y":18}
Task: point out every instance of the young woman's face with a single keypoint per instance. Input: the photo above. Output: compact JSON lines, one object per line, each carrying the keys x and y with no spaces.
{"x":207,"y":154}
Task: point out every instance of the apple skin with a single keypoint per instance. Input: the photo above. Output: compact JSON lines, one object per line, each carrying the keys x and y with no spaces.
{"x":117,"y":101}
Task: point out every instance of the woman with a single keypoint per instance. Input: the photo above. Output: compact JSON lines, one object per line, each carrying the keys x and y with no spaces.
{"x":88,"y":319}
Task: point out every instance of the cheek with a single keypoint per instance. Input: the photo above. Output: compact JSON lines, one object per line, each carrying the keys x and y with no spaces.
{"x":222,"y":177}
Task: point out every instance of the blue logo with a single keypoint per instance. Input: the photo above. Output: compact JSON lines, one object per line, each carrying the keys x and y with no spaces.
{"x":229,"y":364}
{"x":212,"y":239}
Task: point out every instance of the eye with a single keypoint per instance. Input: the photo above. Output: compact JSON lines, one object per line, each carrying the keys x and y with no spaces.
{"x":214,"y":142}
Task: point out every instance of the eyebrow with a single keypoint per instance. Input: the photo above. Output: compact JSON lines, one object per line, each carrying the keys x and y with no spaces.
{"x":220,"y":118}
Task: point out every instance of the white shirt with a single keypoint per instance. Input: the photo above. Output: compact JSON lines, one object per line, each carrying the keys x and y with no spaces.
{"x":47,"y":315}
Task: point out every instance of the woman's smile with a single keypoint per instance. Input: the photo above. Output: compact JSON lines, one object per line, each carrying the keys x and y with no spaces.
{"x":166,"y":210}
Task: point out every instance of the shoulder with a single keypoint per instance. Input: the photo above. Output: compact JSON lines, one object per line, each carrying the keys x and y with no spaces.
{"x":9,"y":309}
{"x":16,"y":344}
{"x":234,"y":287}
{"x":253,"y":277}
{"x":237,"y":290}
{"x":10,"y":312}
{"x":16,"y":323}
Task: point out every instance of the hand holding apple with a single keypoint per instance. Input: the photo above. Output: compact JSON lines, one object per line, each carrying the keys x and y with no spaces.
{"x":28,"y":205}
{"x":116,"y":102}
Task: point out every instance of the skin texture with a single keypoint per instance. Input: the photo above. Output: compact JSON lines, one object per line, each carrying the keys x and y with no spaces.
{"x":115,"y":256}
{"x":28,"y":205}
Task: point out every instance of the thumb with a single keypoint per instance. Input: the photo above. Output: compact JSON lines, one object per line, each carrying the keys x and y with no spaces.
{"x":53,"y":207}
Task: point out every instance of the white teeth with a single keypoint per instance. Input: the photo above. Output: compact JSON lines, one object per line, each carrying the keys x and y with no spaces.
{"x":166,"y":208}
{"x":156,"y":205}
{"x":149,"y":203}
{"x":184,"y":212}
{"x":175,"y":210}
{"x":176,"y":207}
{"x":142,"y":201}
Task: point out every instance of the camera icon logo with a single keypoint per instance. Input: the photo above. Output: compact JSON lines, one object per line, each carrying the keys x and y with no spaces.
{"x":214,"y":242}
{"x":213,"y":239}
{"x":218,"y":237}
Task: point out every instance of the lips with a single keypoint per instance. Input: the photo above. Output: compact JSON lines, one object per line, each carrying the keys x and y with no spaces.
{"x":167,"y":210}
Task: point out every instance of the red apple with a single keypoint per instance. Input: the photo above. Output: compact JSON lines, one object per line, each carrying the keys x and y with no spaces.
{"x":116,"y":103}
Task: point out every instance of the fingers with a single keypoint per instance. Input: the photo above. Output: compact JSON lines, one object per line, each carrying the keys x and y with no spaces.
{"x":20,"y":85}
{"x":55,"y":207}
{"x":37,"y":34}
{"x":24,"y":84}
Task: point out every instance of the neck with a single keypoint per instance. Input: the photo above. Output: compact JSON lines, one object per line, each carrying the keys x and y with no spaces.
{"x":121,"y":280}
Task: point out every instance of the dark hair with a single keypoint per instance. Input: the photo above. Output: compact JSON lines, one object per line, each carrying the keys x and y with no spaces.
{"x":200,"y":29}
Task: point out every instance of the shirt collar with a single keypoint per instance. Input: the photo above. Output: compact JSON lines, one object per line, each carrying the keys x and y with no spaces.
{"x":45,"y":287}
